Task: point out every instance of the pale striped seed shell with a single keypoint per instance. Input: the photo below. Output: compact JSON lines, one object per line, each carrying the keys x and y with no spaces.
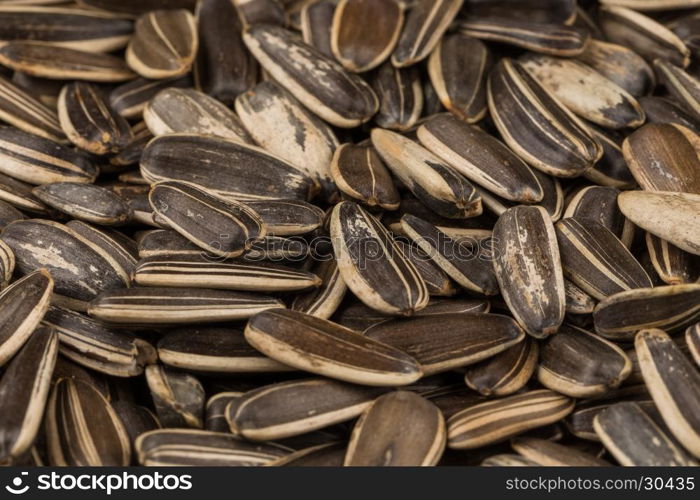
{"x":119,"y":247}
{"x":681,"y":85}
{"x":7,"y":264}
{"x":448,"y":341}
{"x":505,"y":373}
{"x":495,"y":421}
{"x":168,"y":306}
{"x":82,"y":428}
{"x":222,"y":228}
{"x":178,"y":397}
{"x":322,"y":301}
{"x":316,"y":19}
{"x":674,"y":383}
{"x":215,"y":410}
{"x":596,"y":367}
{"x":554,"y":11}
{"x":24,"y":389}
{"x":322,"y":455}
{"x":425,"y":24}
{"x":164,"y":44}
{"x":458,"y":69}
{"x":461,"y":262}
{"x":508,"y":460}
{"x":359,"y":173}
{"x":321,"y":84}
{"x":401,"y":96}
{"x":481,"y":158}
{"x":86,"y":202}
{"x":599,"y":203}
{"x":399,"y":429}
{"x":669,"y":215}
{"x":222,"y":166}
{"x":287,"y":217}
{"x":528,"y":268}
{"x":44,"y":90}
{"x":536,"y":126}
{"x":193,"y":447}
{"x":671,"y":308}
{"x":129,"y":99}
{"x":577,"y":301}
{"x":692,"y":340}
{"x":548,"y":454}
{"x":89,"y":122}
{"x":19,"y":194}
{"x":385,"y":281}
{"x":673,"y":265}
{"x":293,"y":408}
{"x":365,"y":32}
{"x":437,"y":281}
{"x":653,"y":5}
{"x":668,"y":110}
{"x":438,"y":185}
{"x":319,"y":346}
{"x":19,"y":108}
{"x":215,"y":350}
{"x":67,"y":369}
{"x":198,"y":271}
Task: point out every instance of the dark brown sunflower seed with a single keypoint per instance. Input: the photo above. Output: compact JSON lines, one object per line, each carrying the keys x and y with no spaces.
{"x":19,"y":194}
{"x":548,"y":454}
{"x":519,"y":105}
{"x":131,"y":153}
{"x":425,"y":24}
{"x":178,"y":397}
{"x":673,"y":265}
{"x":323,"y":301}
{"x":19,"y":108}
{"x":577,"y":301}
{"x":671,"y":308}
{"x":287,"y":217}
{"x":89,"y":122}
{"x":44,"y":90}
{"x":681,"y":85}
{"x":322,"y":455}
{"x":86,"y":202}
{"x":372,"y":265}
{"x":8,"y":213}
{"x":554,"y":11}
{"x":7,"y":264}
{"x":319,"y":346}
{"x":136,"y":419}
{"x":322,"y":85}
{"x":215,"y":411}
{"x":129,"y":99}
{"x":495,"y":421}
{"x":82,"y":428}
{"x":292,"y":408}
{"x":667,"y":110}
{"x":599,"y":203}
{"x":316,"y":19}
{"x":223,"y":167}
{"x":528,"y":269}
{"x":400,"y":94}
{"x":261,"y":12}
{"x":135,"y":7}
{"x":692,"y":340}
{"x":505,"y":373}
{"x":164,"y":44}
{"x":437,"y":281}
{"x":120,"y":247}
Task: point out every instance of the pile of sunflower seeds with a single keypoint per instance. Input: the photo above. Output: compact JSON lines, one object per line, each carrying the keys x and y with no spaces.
{"x":350,"y":232}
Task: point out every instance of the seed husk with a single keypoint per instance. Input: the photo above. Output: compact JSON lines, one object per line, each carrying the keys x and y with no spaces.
{"x":215,"y":411}
{"x":323,"y":301}
{"x":322,"y":455}
{"x":681,"y":85}
{"x":508,"y":460}
{"x":599,"y":203}
{"x":520,"y":106}
{"x":577,"y":301}
{"x":287,"y":217}
{"x":673,"y":265}
{"x":164,"y":44}
{"x":553,"y":11}
{"x":597,"y":367}
{"x":322,"y":85}
{"x":166,"y":242}
{"x":448,"y":341}
{"x":19,"y":194}
{"x":365,"y":32}
{"x":437,"y":281}
{"x":82,"y":428}
{"x":495,"y":421}
{"x":22,"y":110}
{"x":89,"y":122}
{"x":292,"y":408}
{"x":668,"y":110}
{"x":399,"y":429}
{"x":671,"y":308}
{"x":325,"y":348}
{"x":261,"y":12}
{"x":222,"y":166}
{"x":167,"y":306}
{"x":386,"y":282}
{"x":129,"y":99}
{"x":214,"y":350}
{"x":632,"y":437}
{"x":8,"y":213}
{"x":528,"y":268}
{"x":505,"y":373}
{"x":401,"y":97}
{"x":692,"y":340}
{"x":194,"y":447}
{"x":86,"y":202}
{"x":548,"y":454}
{"x":178,"y":397}
{"x":7,"y":264}
{"x":119,"y":247}
{"x":671,"y":216}
{"x":316,"y":19}
{"x":136,"y":7}
{"x":425,"y":24}
{"x":136,"y":419}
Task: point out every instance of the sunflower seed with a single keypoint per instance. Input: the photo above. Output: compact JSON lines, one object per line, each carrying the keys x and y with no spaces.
{"x":178,"y":397}
{"x":323,"y":301}
{"x":667,"y":110}
{"x":85,"y":201}
{"x":269,"y":12}
{"x":692,"y":340}
{"x":599,"y":203}
{"x":673,"y":265}
{"x":652,"y":5}
{"x":316,"y":23}
{"x":548,"y":454}
{"x":319,"y":346}
{"x":681,"y":85}
{"x":7,"y":264}
{"x":20,"y":109}
{"x":323,"y":455}
{"x":82,"y":428}
{"x":129,"y":99}
{"x":577,"y":301}
{"x":437,"y":281}
{"x":216,"y":411}
{"x":120,"y":247}
{"x":287,"y":217}
{"x":504,"y":373}
{"x":20,"y":195}
{"x":554,"y":11}
{"x":136,"y":7}
{"x":8,"y":213}
{"x":495,"y":421}
{"x":136,"y":419}
{"x":519,"y":105}
{"x":508,"y":460}
{"x":164,"y":44}
{"x":322,"y":85}
{"x":400,"y":94}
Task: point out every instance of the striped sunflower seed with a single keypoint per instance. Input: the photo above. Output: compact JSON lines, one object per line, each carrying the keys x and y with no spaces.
{"x":425,"y":24}
{"x":448,"y":341}
{"x":82,"y":428}
{"x":400,"y":93}
{"x":261,"y":12}
{"x":316,"y":20}
{"x":505,"y":373}
{"x":7,"y":264}
{"x":508,"y":460}
{"x":692,"y":340}
{"x":597,"y":367}
{"x":24,"y":389}
{"x":86,"y":202}
{"x":136,"y":7}
{"x":372,"y":265}
{"x":548,"y":454}
{"x":673,"y":265}
{"x":322,"y":301}
{"x":399,"y":429}
{"x":89,"y":122}
{"x":19,"y":194}
{"x":164,"y":44}
{"x":528,"y":268}
{"x":668,"y":110}
{"x":671,"y":308}
{"x":287,"y":217}
{"x":166,"y":242}
{"x":611,"y":170}
{"x":437,"y":281}
{"x":131,"y":153}
{"x":167,"y":306}
{"x":178,"y":397}
{"x":120,"y":247}
{"x":319,"y":346}
{"x":129,"y":99}
{"x":321,"y":84}
{"x":136,"y":419}
{"x":365,"y":32}
{"x":553,"y":11}
{"x":652,"y":5}
{"x":20,"y":109}
{"x":495,"y":421}
{"x":8,"y":213}
{"x":577,"y":301}
{"x":520,"y":105}
{"x":323,"y":455}
{"x":231,"y":227}
{"x":681,"y":85}
{"x":292,"y":408}
{"x":215,"y":411}
{"x":599,"y":203}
